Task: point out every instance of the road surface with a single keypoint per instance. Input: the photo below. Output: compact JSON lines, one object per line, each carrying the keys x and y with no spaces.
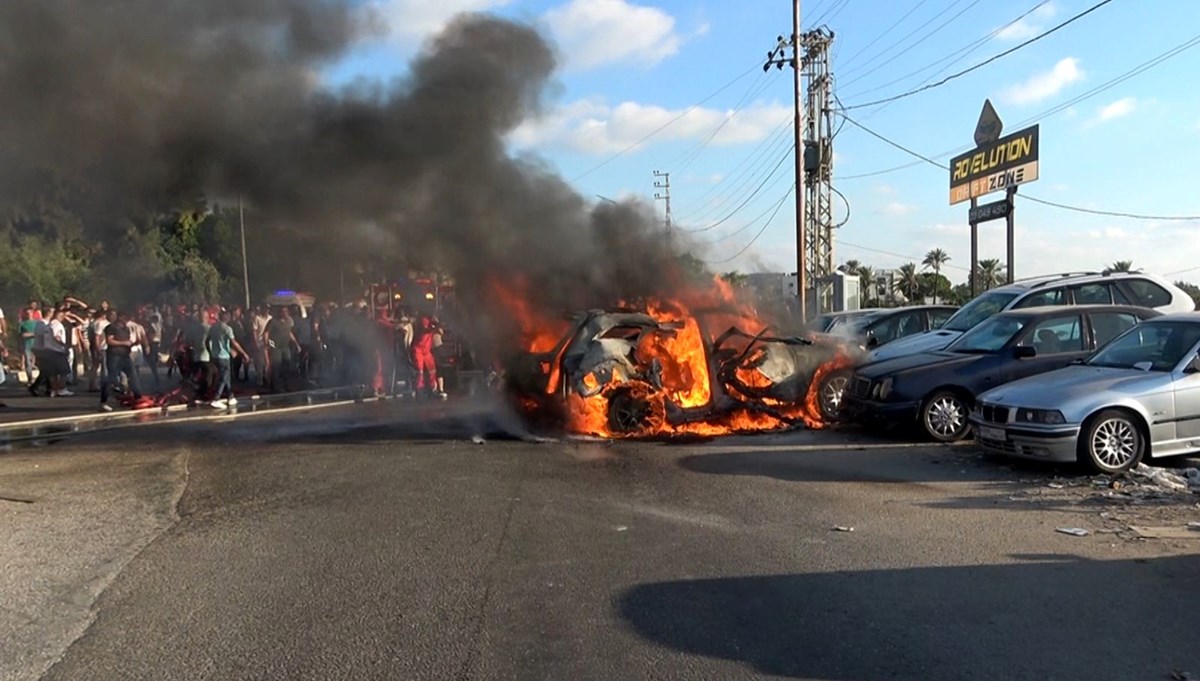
{"x":367,"y":543}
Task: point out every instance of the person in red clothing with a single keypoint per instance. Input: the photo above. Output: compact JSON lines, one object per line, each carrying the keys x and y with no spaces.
{"x":422,"y":356}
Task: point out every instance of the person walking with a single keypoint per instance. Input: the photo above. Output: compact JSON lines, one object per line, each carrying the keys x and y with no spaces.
{"x":222,"y":347}
{"x":119,"y":341}
{"x":281,"y":344}
{"x":28,"y":329}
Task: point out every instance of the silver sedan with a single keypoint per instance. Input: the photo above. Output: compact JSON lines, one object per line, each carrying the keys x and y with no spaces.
{"x":1139,"y":396}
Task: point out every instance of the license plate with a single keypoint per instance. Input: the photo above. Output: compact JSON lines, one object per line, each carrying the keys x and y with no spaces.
{"x":994,"y":434}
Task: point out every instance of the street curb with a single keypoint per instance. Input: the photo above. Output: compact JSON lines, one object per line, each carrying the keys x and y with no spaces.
{"x":118,"y":417}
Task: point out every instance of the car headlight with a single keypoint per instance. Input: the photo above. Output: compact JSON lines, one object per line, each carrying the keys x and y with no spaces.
{"x":1049,"y":417}
{"x":882,"y":389}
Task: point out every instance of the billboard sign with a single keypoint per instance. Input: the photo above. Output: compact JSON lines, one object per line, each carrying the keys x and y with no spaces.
{"x":1009,"y":161}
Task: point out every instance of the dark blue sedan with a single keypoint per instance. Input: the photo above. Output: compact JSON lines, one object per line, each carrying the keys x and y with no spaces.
{"x":936,"y":390}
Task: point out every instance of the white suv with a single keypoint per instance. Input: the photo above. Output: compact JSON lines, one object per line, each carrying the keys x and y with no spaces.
{"x":1073,"y":288}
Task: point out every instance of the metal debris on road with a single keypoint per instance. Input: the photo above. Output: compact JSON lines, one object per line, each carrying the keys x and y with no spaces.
{"x":1194,"y":525}
{"x":1176,"y":482}
{"x":1056,"y":485}
{"x":1073,"y":531}
{"x":622,"y":528}
{"x":842,"y":528}
{"x":477,"y":439}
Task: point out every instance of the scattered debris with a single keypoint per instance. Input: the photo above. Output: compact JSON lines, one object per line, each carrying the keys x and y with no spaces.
{"x":1194,"y":525}
{"x":842,"y":528}
{"x":1056,"y":485}
{"x":1073,"y":531}
{"x":1177,"y":482}
{"x":17,"y":500}
{"x":478,"y":439}
{"x":1180,"y":675}
{"x":1168,"y":532}
{"x":622,"y":528}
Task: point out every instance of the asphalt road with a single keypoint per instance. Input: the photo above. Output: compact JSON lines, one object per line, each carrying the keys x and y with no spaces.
{"x":364,"y":544}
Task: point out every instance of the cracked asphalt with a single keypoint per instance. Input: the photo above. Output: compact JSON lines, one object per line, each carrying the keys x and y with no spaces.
{"x":379,"y":542}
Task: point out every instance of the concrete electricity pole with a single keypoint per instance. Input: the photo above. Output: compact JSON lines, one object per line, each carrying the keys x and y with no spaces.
{"x":665,"y":195}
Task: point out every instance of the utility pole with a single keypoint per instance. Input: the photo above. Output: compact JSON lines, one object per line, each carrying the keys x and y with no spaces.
{"x":813,"y":135}
{"x":245,"y":265}
{"x":665,"y":195}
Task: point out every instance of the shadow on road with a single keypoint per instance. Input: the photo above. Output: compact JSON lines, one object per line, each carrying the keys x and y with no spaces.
{"x":898,"y":465}
{"x":1059,"y":617}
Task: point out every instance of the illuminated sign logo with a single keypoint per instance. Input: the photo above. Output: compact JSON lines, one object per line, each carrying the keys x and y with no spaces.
{"x":1009,"y":161}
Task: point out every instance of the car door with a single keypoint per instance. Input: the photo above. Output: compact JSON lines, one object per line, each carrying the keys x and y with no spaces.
{"x":1187,"y":401}
{"x":1058,"y":340}
{"x":895,"y":326}
{"x":1108,"y":325}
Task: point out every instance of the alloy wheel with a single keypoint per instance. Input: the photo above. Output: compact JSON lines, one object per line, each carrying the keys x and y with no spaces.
{"x":946,"y":417}
{"x":1114,"y":443}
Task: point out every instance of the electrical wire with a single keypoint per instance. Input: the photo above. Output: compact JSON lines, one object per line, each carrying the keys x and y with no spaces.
{"x":765,"y":149}
{"x":879,"y":37}
{"x":983,"y":63}
{"x":1135,"y":71}
{"x":879,"y":55}
{"x":666,"y":125}
{"x":757,"y":87}
{"x":735,"y":256}
{"x":961,"y":53}
{"x":1078,"y":209}
{"x":910,"y":258}
{"x":743,"y":204}
{"x":749,"y":223}
{"x":836,"y":9}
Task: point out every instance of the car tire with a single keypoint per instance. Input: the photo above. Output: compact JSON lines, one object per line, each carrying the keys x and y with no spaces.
{"x":628,"y":413}
{"x":829,"y":394}
{"x":1111,"y":442}
{"x":944,"y":416}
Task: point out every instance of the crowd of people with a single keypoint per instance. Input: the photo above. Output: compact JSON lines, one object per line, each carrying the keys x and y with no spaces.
{"x":213,"y":349}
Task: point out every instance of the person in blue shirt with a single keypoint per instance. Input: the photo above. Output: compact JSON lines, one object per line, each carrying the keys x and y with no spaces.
{"x":222,"y":346}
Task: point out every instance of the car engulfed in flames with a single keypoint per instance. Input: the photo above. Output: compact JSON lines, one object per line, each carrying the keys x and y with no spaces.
{"x":658,"y":372}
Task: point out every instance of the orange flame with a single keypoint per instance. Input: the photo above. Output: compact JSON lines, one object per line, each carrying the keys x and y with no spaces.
{"x":685,"y":362}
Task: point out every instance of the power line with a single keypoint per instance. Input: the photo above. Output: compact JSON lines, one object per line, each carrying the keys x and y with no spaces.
{"x":735,"y":256}
{"x":983,"y":63}
{"x":1135,"y":71}
{"x":923,"y":38}
{"x":1120,"y":214}
{"x":757,"y":87}
{"x":834,"y":10}
{"x":884,"y":33}
{"x":666,"y":125}
{"x":779,"y":139}
{"x":743,"y":204}
{"x":961,"y":53}
{"x":910,"y":258}
{"x":751,"y":222}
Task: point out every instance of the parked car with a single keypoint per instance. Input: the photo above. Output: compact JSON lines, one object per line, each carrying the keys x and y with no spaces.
{"x":936,"y":390}
{"x":833,"y":322}
{"x":1088,"y":288}
{"x":880,"y":327}
{"x":1137,"y":397}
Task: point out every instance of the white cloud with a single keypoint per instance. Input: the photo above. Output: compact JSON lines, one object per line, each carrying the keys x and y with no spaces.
{"x":1121,"y":107}
{"x":1029,"y":26}
{"x":408,"y":19}
{"x":595,"y":32}
{"x":1047,"y":84}
{"x":592,"y":127}
{"x":896,"y":209}
{"x":885,"y":189}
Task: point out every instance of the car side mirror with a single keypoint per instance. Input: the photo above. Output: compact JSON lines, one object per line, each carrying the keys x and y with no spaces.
{"x":872,"y":341}
{"x":1024,"y":352}
{"x":1193,"y":367}
{"x":1078,"y":361}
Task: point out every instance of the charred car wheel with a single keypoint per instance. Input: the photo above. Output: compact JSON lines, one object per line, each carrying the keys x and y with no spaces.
{"x":830,"y":392}
{"x":628,"y":413}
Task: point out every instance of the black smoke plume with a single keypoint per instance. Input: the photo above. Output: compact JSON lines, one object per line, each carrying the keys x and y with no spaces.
{"x":139,"y":104}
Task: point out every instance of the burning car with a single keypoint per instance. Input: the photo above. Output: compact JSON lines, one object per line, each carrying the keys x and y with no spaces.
{"x":631,"y":373}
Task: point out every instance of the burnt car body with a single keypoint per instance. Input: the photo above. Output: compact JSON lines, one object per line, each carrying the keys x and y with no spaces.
{"x":599,"y":355}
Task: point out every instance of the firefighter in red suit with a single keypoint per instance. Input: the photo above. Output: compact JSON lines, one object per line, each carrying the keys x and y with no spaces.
{"x":422,"y":356}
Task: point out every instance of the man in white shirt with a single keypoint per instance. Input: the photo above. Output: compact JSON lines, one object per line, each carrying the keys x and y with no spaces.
{"x":56,"y":351}
{"x":99,"y":350}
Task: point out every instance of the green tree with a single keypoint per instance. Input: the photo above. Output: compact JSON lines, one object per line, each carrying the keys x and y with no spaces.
{"x":866,"y":280}
{"x":908,"y":281}
{"x":934,"y":260}
{"x":735,"y":279}
{"x":1190,"y":289}
{"x":1119,"y":266}
{"x":989,"y":273}
{"x":935,"y":286}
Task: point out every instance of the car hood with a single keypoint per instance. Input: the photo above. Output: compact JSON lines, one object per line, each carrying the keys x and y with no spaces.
{"x":1054,"y":389}
{"x":920,"y":360}
{"x":921,"y":342}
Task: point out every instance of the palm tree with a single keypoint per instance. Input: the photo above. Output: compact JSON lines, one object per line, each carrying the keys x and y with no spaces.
{"x":935,"y":259}
{"x":908,"y":282}
{"x":851,"y":266}
{"x":866,"y":279}
{"x":1119,"y":266}
{"x":989,"y":273}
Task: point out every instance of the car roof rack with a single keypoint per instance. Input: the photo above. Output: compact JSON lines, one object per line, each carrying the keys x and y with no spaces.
{"x":1051,"y":278}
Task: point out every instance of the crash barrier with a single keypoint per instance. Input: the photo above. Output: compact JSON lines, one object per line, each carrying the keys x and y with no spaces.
{"x":67,"y":426}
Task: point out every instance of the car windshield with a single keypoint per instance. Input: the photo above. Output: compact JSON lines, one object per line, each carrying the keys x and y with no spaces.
{"x":989,"y":336}
{"x":1158,"y":345}
{"x":978,"y":310}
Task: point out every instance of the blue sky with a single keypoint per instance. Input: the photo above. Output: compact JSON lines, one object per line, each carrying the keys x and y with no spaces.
{"x":629,"y":66}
